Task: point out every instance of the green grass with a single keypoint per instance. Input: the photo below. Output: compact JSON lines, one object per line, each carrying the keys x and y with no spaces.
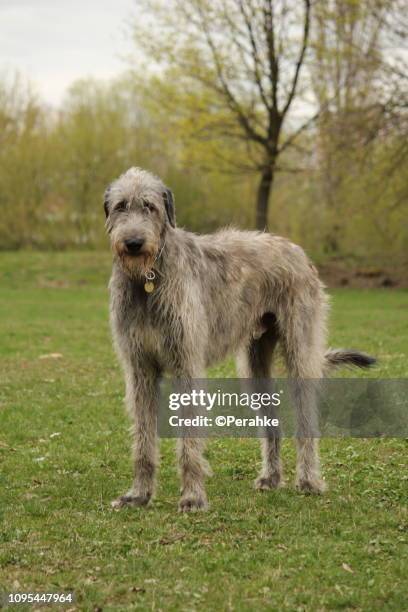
{"x":64,"y":454}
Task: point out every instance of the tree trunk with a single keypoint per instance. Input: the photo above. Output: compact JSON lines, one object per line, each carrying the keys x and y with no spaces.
{"x":262,"y":198}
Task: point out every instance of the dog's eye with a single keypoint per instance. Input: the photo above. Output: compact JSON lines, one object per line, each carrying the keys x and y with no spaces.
{"x":148,"y":206}
{"x":121,"y":206}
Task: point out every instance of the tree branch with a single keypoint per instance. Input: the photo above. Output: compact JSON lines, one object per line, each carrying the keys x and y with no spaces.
{"x":233,"y":104}
{"x":255,"y":56}
{"x":272,"y":58}
{"x":290,"y":140}
{"x":299,"y":63}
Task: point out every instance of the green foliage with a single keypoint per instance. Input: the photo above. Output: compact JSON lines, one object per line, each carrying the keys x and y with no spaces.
{"x":55,"y":166}
{"x":64,"y":453}
{"x":341,"y":191}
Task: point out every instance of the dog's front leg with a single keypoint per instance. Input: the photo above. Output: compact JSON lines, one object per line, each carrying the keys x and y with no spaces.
{"x":142,"y":403}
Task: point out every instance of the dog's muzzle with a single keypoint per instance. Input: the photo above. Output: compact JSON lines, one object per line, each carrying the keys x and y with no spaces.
{"x":133,"y":246}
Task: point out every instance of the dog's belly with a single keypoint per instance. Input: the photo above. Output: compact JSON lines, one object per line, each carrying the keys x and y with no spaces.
{"x":227,"y":337}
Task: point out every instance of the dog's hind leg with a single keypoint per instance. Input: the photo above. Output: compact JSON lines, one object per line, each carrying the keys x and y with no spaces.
{"x":303,"y":340}
{"x":193,"y":471}
{"x":255,"y":362}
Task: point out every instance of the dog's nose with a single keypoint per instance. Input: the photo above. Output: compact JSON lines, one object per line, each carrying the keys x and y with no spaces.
{"x":133,"y":245}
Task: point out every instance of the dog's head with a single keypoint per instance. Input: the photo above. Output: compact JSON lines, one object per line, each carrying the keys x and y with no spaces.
{"x":139,"y":208}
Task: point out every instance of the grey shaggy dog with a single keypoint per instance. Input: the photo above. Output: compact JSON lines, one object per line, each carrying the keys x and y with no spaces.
{"x":239,"y":292}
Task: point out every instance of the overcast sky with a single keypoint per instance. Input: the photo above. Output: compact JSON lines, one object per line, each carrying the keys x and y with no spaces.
{"x":54,"y":42}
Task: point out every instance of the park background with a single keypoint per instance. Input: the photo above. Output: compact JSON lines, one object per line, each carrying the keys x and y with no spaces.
{"x":207,"y":113}
{"x":290,"y":115}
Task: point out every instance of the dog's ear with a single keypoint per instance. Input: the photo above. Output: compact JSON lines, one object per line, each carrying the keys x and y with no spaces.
{"x":106,"y":201}
{"x":169,"y":205}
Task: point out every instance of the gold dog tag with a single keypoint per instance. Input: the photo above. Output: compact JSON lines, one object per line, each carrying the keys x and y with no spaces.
{"x":149,"y":284}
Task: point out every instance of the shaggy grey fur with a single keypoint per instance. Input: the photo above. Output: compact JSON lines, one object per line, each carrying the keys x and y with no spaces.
{"x":237,"y":292}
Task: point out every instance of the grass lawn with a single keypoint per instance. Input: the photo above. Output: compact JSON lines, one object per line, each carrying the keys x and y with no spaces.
{"x":64,"y":455}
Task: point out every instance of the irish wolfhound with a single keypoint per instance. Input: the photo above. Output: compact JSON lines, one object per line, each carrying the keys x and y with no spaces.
{"x":181,"y":301}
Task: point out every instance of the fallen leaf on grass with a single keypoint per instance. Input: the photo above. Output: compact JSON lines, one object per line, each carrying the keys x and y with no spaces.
{"x":29,"y":496}
{"x":53,"y":283}
{"x":171,"y":539}
{"x":6,"y":446}
{"x":51,"y":356}
{"x":347,"y":568}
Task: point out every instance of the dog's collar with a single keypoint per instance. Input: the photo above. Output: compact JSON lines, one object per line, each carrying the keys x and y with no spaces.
{"x":150,"y":275}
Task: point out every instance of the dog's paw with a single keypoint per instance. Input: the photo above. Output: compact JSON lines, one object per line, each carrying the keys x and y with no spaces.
{"x":193,"y":502}
{"x":129,"y":500}
{"x":268,"y":483}
{"x":311,"y":486}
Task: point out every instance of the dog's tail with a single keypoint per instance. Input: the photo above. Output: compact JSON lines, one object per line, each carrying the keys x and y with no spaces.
{"x":348,"y":357}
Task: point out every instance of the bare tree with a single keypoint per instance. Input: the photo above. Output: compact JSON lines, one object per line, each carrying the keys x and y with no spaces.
{"x":249,"y":54}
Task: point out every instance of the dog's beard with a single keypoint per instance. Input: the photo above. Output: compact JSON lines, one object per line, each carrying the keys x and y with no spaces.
{"x":136,"y":266}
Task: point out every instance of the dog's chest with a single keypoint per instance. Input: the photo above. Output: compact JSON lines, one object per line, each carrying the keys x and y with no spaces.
{"x":147,"y":325}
